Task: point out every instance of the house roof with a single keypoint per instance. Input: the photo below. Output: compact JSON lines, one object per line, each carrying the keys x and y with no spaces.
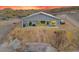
{"x":41,"y":13}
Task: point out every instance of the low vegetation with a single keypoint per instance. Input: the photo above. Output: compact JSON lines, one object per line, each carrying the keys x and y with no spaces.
{"x":58,"y":38}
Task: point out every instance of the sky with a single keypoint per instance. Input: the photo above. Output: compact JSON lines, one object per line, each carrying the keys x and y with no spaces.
{"x":30,"y":7}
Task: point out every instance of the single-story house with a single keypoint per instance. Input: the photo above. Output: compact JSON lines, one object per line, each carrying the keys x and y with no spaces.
{"x":40,"y":19}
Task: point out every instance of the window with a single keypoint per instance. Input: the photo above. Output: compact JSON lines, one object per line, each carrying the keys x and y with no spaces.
{"x":30,"y":23}
{"x":47,"y":22}
{"x":33,"y":25}
{"x":24,"y":25}
{"x":42,"y":22}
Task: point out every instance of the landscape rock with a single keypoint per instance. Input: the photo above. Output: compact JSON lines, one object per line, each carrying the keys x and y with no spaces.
{"x":39,"y":47}
{"x":15,"y":44}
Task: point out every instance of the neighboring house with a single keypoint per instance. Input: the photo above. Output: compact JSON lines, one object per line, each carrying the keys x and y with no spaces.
{"x":40,"y":19}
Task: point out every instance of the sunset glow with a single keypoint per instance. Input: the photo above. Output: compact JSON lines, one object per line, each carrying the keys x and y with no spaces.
{"x":30,"y":7}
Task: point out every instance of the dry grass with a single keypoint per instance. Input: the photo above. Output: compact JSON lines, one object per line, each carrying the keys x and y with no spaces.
{"x":58,"y":38}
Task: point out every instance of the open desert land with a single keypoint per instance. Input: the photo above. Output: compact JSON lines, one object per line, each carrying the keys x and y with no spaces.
{"x":62,"y":38}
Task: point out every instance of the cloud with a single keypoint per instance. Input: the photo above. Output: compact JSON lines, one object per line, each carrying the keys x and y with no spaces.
{"x":30,"y":7}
